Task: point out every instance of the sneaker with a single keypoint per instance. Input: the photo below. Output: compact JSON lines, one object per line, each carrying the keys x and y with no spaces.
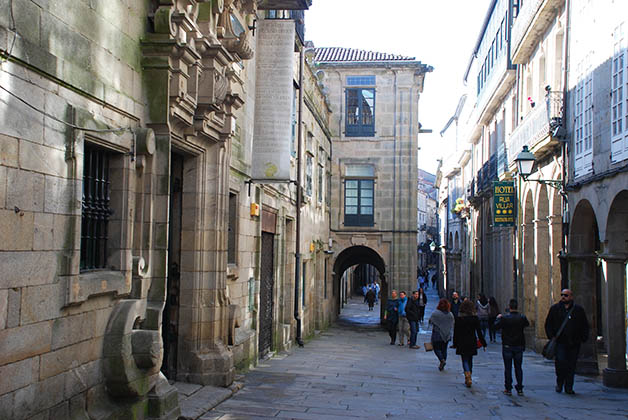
{"x":570,"y":391}
{"x":415,"y":347}
{"x":558,"y":388}
{"x":520,"y":392}
{"x":507,"y":392}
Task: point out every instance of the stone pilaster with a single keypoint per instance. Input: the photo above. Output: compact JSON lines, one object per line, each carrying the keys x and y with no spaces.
{"x":616,"y":374}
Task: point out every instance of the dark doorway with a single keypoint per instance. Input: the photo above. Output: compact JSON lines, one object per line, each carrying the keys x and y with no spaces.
{"x":267,"y":283}
{"x":170,"y":321}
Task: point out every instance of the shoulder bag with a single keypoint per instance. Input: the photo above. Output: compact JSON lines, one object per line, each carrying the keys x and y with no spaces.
{"x":549,"y":350}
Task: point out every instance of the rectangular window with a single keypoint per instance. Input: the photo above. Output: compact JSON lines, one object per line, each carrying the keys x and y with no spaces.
{"x":293,"y":143}
{"x":583,"y":119}
{"x":95,"y":208}
{"x":619,"y":102}
{"x":359,"y":201}
{"x":360,"y":113}
{"x":319,"y":191}
{"x":233,"y":229}
{"x":308,"y":174}
{"x":360,"y":80}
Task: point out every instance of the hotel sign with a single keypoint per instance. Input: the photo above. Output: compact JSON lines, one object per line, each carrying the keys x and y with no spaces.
{"x":504,"y":203}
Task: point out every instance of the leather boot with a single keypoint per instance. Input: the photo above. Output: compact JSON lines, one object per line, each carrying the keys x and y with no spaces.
{"x":467,"y":379}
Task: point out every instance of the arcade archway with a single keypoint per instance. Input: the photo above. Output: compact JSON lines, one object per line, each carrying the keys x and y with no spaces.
{"x":367,"y":265}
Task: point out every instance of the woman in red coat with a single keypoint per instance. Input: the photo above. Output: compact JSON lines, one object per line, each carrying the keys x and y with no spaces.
{"x":467,"y":335}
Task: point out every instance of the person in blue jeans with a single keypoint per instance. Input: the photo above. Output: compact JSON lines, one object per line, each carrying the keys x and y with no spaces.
{"x":442,"y":322}
{"x":513,"y":344}
{"x":467,"y":335}
{"x":412,"y":315}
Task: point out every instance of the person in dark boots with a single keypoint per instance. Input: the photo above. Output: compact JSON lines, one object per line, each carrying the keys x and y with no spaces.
{"x":467,"y":335}
{"x":513,"y":345}
{"x":370,"y":298}
{"x":391,"y":316}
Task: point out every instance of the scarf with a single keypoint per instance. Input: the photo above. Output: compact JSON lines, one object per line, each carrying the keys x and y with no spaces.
{"x":444,"y":321}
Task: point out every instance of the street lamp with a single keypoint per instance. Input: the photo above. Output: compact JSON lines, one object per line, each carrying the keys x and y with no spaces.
{"x":525,"y":162}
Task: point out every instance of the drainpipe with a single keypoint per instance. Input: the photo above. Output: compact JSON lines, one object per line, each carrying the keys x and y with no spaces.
{"x":297,"y":253}
{"x":564,"y":268}
{"x":394,"y":200}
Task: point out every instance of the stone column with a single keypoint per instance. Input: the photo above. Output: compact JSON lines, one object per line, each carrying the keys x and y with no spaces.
{"x":582,"y":282}
{"x":555,"y":229}
{"x":615,"y":375}
{"x":542,"y":286}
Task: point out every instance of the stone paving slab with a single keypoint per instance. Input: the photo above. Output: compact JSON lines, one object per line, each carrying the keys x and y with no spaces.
{"x":350,"y":371}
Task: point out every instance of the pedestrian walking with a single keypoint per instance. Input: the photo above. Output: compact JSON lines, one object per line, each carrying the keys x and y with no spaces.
{"x":467,"y":338}
{"x":513,"y":345}
{"x":370,"y":298}
{"x":422,"y":298}
{"x":404,"y":326}
{"x":493,"y":312}
{"x":442,"y":322}
{"x":574,"y":332}
{"x":482,"y":310}
{"x":434,"y":278}
{"x":455,"y":304}
{"x":412,"y":315}
{"x":391,"y":316}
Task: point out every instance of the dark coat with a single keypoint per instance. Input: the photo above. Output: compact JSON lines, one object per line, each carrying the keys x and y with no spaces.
{"x":512,"y":325}
{"x":455,"y":307}
{"x":466,"y":334}
{"x":370,"y":297}
{"x":577,"y":328}
{"x":412,"y":310}
{"x":392,"y":311}
{"x":424,"y":298}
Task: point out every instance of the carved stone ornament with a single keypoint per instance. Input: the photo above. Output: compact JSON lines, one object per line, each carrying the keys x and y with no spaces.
{"x":194,"y":42}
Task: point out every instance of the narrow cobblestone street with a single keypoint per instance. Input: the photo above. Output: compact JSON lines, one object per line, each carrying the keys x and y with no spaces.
{"x":351,"y":371}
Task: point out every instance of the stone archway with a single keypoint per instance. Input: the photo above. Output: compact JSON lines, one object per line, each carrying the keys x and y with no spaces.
{"x":356,"y":255}
{"x":584,"y":242}
{"x":615,"y":256}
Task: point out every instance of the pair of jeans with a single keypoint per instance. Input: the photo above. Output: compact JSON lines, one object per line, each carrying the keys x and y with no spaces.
{"x":414,"y":329}
{"x":492,"y":332}
{"x":513,"y":354}
{"x":484,"y":326}
{"x":404,"y":328}
{"x":467,"y":362}
{"x":440,"y":350}
{"x":392,"y":331}
{"x":421,"y":313}
{"x":565,"y":364}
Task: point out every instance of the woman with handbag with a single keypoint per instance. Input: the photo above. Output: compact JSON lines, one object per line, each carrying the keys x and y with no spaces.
{"x":442,"y":321}
{"x":468,"y":338}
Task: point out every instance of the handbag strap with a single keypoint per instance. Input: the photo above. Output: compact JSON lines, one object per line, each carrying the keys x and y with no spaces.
{"x":562,"y":327}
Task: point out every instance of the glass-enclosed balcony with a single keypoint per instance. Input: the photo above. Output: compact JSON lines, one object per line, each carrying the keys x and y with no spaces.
{"x":545,"y":119}
{"x":531,"y":21}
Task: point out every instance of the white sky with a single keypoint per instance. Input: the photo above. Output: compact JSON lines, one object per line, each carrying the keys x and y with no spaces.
{"x":440,"y":33}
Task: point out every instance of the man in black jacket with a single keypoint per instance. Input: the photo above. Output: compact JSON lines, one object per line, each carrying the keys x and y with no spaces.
{"x":513,"y":344}
{"x":576,"y":331}
{"x":413,"y":314}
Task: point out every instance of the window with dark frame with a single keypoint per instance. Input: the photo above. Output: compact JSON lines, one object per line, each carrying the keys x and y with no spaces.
{"x":359,"y":196}
{"x":360,"y":106}
{"x":233,"y":228}
{"x":95,"y":208}
{"x":309,"y":168}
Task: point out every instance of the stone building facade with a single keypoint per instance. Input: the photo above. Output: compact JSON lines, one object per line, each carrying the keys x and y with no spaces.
{"x":544,"y":84}
{"x":597,"y":187}
{"x":374,"y":100}
{"x":133,"y":246}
